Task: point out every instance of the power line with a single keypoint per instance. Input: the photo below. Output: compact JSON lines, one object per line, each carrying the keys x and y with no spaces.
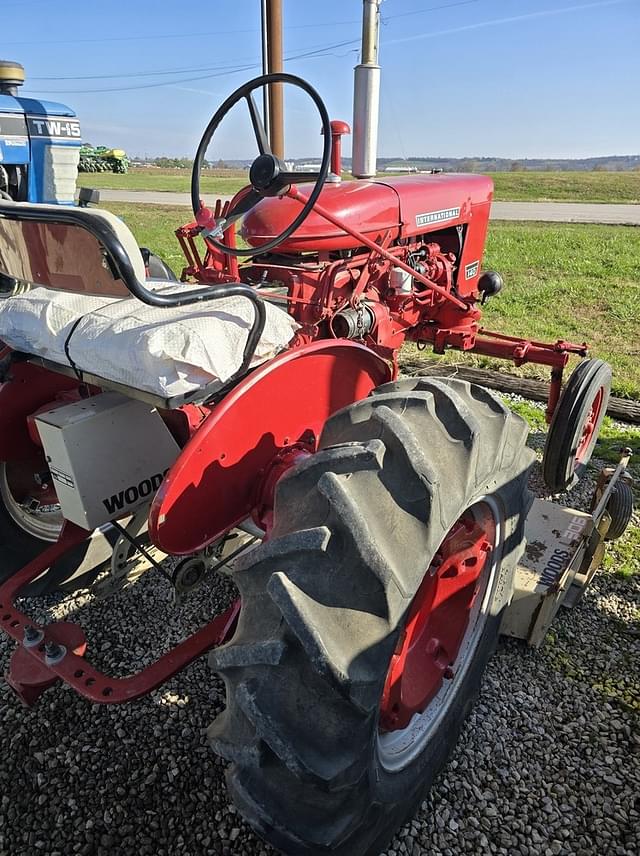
{"x":541,"y":13}
{"x":201,"y":34}
{"x":385,"y":18}
{"x":322,"y":51}
{"x":164,"y":72}
{"x":210,"y":72}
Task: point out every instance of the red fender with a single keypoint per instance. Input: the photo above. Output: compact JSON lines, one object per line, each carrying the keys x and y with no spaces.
{"x":27,"y":389}
{"x":213,"y":485}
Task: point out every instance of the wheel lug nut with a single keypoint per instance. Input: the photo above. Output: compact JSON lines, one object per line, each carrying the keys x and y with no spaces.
{"x":54,"y":653}
{"x":32,"y":636}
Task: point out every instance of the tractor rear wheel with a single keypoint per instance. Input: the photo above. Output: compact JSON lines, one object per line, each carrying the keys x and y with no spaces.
{"x":369,"y":615}
{"x":27,"y":528}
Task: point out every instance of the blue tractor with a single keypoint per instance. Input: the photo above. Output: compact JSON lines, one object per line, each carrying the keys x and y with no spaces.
{"x":39,"y":144}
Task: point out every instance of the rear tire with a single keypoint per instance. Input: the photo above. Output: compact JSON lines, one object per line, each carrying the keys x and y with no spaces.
{"x":324,"y":601}
{"x":18,"y":547}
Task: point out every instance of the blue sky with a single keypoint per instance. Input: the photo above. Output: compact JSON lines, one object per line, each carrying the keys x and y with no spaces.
{"x":509,"y":78}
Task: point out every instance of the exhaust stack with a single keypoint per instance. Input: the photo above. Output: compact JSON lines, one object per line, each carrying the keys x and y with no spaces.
{"x":11,"y":77}
{"x":366,"y":96}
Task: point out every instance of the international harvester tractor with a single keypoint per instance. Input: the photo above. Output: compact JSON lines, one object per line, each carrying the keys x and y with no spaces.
{"x":251,"y":417}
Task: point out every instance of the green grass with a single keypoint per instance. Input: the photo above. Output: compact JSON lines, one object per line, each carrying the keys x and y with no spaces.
{"x":621,"y":557}
{"x":177,"y":181}
{"x":571,"y":281}
{"x":510,"y":186}
{"x":534,"y":416}
{"x":567,"y":186}
{"x":154,"y":227}
{"x":579,"y":282}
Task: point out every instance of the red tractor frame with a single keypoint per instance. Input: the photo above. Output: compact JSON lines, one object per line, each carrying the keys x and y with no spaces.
{"x":390,"y":512}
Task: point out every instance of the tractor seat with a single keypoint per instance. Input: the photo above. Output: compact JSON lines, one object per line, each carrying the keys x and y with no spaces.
{"x":70,"y":309}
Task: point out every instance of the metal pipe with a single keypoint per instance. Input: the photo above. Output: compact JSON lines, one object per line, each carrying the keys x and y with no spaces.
{"x":370,"y":23}
{"x":366,"y":95}
{"x":275,"y":65}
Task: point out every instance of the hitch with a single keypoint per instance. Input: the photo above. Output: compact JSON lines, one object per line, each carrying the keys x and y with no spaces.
{"x":55,"y":652}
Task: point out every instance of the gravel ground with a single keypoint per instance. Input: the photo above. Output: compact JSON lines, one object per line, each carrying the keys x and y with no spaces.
{"x":548,"y":763}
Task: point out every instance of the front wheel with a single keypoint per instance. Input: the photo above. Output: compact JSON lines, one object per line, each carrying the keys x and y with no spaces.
{"x":575,"y":425}
{"x":369,"y":616}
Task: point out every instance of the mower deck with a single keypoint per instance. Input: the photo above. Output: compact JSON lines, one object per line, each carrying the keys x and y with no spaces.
{"x":564,"y":549}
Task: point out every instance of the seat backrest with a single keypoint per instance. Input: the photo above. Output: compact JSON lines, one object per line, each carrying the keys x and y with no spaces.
{"x":69,"y":249}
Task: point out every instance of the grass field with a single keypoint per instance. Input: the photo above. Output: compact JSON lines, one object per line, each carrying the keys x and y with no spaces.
{"x":510,"y":186}
{"x":579,"y":282}
{"x":175,"y":180}
{"x":567,"y":186}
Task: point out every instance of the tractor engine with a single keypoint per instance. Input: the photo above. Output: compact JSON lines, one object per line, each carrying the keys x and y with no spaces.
{"x":39,"y":144}
{"x":422,"y":286}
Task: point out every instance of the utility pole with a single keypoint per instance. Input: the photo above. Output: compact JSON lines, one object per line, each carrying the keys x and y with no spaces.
{"x":265,"y":66}
{"x":366,"y":95}
{"x":272,"y":48}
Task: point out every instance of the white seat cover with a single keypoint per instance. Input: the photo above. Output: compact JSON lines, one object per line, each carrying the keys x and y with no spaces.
{"x":168,"y":352}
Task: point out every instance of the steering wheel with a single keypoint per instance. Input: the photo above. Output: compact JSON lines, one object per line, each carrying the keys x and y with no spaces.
{"x":268,"y":175}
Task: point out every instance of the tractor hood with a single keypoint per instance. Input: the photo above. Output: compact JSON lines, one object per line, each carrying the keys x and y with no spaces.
{"x":406,"y":205}
{"x":369,"y":207}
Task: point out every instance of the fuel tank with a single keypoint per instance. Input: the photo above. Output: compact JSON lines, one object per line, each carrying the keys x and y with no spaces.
{"x":406,"y":205}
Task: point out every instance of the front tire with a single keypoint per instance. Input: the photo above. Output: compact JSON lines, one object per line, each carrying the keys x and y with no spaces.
{"x":326,"y":599}
{"x":575,"y":425}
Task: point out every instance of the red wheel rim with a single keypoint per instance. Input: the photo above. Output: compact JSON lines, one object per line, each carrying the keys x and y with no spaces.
{"x":590,"y":427}
{"x":438,"y":619}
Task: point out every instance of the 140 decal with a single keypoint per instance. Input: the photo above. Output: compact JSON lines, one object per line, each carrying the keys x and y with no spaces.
{"x":471,"y":270}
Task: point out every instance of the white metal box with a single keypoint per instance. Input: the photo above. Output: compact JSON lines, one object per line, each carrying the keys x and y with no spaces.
{"x":107,"y":455}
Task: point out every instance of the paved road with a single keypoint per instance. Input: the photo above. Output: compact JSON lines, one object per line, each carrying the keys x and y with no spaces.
{"x":559,"y":212}
{"x":567,"y":212}
{"x":155,"y":197}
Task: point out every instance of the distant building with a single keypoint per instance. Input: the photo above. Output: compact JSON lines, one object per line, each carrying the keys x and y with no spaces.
{"x":401,"y":169}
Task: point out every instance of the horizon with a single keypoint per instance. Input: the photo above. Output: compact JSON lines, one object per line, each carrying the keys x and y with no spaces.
{"x":457,"y":75}
{"x":513,"y":158}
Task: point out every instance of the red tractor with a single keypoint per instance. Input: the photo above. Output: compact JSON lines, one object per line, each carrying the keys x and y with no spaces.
{"x":380,"y":520}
